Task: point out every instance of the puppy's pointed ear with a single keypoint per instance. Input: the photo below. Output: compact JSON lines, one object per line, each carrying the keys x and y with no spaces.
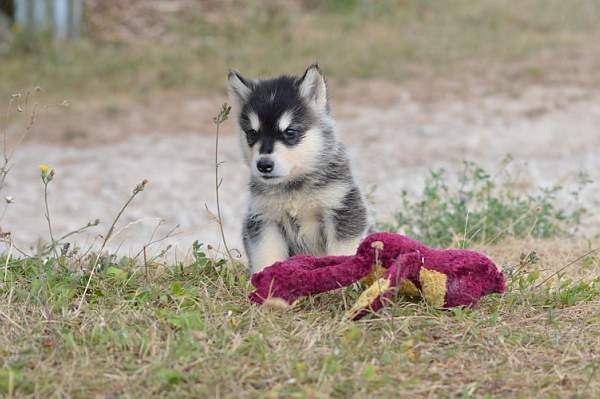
{"x":313,"y":88}
{"x":239,"y":88}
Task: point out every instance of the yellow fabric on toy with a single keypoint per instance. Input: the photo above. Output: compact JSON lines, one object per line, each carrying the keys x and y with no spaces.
{"x":433,"y":286}
{"x":406,"y":287}
{"x":375,"y":274}
{"x":368,"y":296}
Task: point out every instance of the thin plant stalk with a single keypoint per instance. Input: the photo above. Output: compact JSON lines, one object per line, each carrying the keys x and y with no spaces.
{"x":58,"y":241}
{"x":138,"y":189}
{"x":7,"y":261}
{"x":7,"y":155}
{"x":47,"y":215}
{"x":79,"y":230}
{"x":218,"y":120}
{"x":588,"y":253}
{"x":3,"y":169}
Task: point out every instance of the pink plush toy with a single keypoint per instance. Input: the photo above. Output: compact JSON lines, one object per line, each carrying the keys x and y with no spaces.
{"x":389,"y":263}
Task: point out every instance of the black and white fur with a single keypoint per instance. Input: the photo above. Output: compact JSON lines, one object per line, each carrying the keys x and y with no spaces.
{"x":303,"y":197}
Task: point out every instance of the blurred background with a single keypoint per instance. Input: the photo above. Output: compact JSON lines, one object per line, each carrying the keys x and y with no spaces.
{"x":127,"y":90}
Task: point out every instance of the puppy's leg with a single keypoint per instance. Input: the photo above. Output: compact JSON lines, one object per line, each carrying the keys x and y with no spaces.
{"x":264,"y":244}
{"x":347,"y":225}
{"x":340,"y":244}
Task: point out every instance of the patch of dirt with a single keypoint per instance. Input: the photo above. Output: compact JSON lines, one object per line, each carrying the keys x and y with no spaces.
{"x":96,"y":122}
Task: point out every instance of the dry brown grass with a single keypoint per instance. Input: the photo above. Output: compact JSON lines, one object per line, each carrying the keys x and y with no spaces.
{"x":190,"y":331}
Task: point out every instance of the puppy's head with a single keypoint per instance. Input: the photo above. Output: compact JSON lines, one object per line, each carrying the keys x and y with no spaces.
{"x":280,"y":123}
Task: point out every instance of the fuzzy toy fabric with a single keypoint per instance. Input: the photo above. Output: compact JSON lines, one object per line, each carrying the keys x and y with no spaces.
{"x":389,"y":263}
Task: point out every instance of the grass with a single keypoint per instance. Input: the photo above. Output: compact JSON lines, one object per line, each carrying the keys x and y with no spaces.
{"x":188,"y":330}
{"x":355,"y":39}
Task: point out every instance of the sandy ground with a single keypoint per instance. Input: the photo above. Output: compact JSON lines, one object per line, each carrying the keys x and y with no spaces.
{"x":393,"y":137}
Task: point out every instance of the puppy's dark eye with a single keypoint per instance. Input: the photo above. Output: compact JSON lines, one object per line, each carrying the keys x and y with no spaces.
{"x":291,"y":134}
{"x":252,"y":136}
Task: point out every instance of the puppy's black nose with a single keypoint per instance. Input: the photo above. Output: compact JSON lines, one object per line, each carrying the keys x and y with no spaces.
{"x":265,"y":165}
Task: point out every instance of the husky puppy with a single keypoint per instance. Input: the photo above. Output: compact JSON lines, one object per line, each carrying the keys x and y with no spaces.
{"x":303,"y":197}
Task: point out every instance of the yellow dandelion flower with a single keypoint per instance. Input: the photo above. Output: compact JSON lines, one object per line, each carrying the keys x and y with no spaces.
{"x":44,"y":168}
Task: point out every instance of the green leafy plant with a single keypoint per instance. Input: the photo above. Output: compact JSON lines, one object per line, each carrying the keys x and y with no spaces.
{"x":484,"y":208}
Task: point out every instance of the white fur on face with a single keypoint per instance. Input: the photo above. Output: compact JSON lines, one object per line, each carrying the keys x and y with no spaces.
{"x":281,"y":167}
{"x":246,"y":150}
{"x":250,"y":153}
{"x":302,"y":157}
{"x":285,"y":120}
{"x":254,"y":121}
{"x":291,"y":162}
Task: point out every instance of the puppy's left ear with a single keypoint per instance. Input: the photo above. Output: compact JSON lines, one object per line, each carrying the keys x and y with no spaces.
{"x":313,"y":88}
{"x":239,"y":88}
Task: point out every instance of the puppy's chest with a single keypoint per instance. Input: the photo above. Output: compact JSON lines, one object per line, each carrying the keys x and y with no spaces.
{"x":305,"y":234}
{"x":302,"y":218}
{"x":300,"y":205}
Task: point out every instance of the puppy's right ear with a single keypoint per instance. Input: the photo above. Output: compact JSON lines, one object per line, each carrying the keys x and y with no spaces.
{"x":239,"y":88}
{"x":313,"y":88}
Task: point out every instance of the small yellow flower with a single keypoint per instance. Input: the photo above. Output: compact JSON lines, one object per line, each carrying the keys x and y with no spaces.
{"x":47,"y":174}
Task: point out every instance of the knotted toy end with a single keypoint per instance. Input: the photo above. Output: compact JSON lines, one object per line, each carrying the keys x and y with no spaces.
{"x":276,"y":303}
{"x":377,"y":245}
